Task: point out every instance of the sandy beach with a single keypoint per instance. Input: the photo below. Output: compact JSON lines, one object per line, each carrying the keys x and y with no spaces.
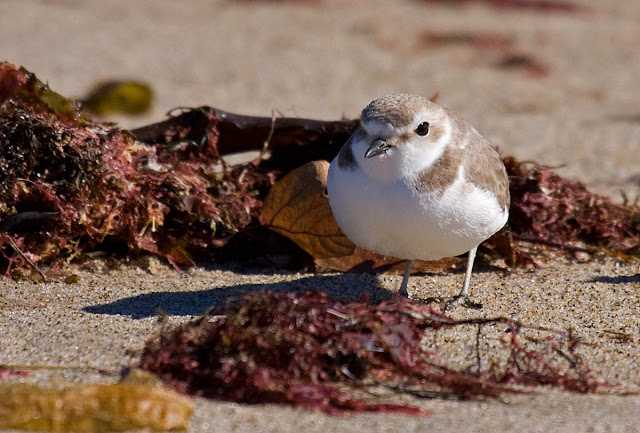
{"x":558,"y":88}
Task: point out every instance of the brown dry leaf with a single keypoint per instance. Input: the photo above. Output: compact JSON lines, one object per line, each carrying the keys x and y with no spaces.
{"x":92,"y":408}
{"x":297,"y":207}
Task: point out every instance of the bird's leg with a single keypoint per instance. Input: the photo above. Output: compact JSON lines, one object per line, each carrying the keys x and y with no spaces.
{"x":464,"y":293}
{"x":463,"y":296}
{"x":405,"y":279}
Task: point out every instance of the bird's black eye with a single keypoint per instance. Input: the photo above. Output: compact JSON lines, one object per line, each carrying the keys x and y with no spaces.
{"x":423,"y":129}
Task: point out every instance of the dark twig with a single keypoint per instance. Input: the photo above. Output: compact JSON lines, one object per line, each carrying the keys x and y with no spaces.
{"x":21,"y":254}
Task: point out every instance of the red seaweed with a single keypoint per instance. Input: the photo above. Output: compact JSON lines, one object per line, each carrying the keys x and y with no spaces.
{"x":70,"y":186}
{"x":8,"y":372}
{"x":550,"y":208}
{"x":102,"y":190}
{"x":312,"y":350}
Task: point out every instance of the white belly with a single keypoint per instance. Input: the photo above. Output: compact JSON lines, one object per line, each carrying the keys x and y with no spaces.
{"x":393,"y":219}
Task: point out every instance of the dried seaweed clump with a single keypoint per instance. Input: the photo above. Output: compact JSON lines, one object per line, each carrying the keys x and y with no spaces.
{"x":315,"y":351}
{"x":69,"y":185}
{"x":547,"y":207}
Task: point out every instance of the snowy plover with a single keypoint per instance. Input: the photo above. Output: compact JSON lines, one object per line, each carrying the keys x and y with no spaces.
{"x":418,"y":182}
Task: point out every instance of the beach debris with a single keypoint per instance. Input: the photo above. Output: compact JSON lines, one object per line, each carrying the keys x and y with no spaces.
{"x":6,"y":372}
{"x":319,"y":352}
{"x":547,"y":208}
{"x":297,"y":207}
{"x":482,"y":41}
{"x":92,"y":408}
{"x":119,"y":96}
{"x":98,"y":189}
{"x":522,"y":62}
{"x":494,"y":50}
{"x":72,"y":188}
{"x":534,"y":5}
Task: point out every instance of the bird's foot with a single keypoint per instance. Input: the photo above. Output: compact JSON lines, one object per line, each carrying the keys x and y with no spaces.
{"x":452,"y":301}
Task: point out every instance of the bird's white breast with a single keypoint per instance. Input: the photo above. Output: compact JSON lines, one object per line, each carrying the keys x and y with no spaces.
{"x":394,"y":219}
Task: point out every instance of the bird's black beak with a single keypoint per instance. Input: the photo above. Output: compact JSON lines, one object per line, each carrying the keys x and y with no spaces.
{"x":378,"y":147}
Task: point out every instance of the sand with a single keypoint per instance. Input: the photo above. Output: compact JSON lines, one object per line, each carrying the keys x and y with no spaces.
{"x":324,"y":61}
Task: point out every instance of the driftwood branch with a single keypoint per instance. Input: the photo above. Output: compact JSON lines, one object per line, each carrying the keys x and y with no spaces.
{"x":239,"y":133}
